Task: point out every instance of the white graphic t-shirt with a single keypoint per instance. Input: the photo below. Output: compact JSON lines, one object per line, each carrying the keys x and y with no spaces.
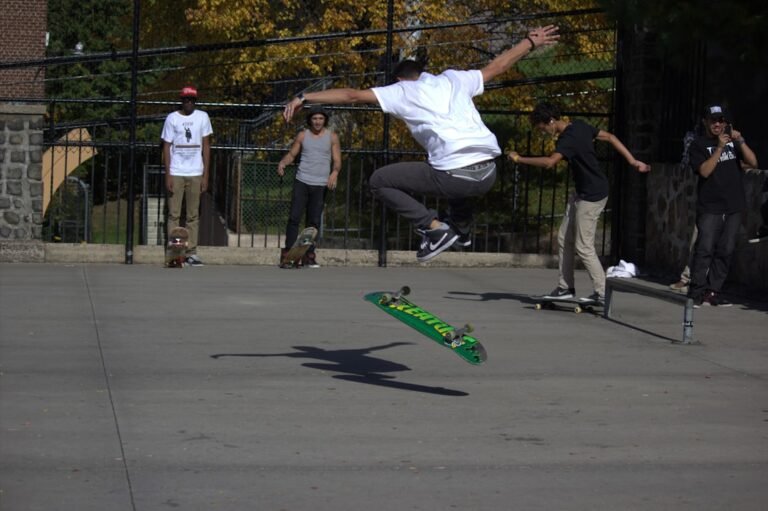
{"x":185,"y":134}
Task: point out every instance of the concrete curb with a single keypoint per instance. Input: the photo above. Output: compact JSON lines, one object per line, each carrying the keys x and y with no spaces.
{"x":39,"y":252}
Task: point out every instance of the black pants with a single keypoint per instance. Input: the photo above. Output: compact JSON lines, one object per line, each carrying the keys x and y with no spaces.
{"x":712,"y":254}
{"x":305,"y":198}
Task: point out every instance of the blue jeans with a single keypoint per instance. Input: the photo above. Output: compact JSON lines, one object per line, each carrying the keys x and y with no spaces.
{"x":712,"y":254}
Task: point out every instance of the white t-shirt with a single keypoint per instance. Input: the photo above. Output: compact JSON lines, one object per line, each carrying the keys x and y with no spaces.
{"x":185,"y":134}
{"x":441,"y":116}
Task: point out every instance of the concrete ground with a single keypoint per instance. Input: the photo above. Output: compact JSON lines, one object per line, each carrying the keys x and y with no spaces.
{"x":134,"y":387}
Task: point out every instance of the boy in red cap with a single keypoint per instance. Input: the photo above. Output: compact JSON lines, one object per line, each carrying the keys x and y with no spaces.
{"x":186,"y":156}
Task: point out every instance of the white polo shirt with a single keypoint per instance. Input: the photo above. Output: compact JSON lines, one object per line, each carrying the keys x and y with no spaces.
{"x":442,"y":117}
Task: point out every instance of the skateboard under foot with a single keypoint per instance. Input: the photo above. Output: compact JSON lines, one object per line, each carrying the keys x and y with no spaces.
{"x":577,"y":305}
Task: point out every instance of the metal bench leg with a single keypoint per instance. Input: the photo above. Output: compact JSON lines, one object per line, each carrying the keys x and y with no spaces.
{"x":688,"y":322}
{"x":608,"y":300}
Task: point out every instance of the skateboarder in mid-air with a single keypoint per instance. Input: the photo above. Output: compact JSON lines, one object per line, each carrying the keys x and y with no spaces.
{"x":439,"y":112}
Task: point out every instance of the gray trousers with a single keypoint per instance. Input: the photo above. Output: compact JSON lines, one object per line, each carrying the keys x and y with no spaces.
{"x":395,"y":185}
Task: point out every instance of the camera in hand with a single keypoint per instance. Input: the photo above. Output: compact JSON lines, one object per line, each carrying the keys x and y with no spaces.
{"x":728,"y":130}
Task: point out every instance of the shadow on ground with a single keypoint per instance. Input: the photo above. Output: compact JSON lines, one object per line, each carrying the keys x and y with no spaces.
{"x":486,"y":297}
{"x":355,"y":366}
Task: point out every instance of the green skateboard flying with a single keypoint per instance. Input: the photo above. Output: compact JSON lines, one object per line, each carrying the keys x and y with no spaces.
{"x":429,"y":325}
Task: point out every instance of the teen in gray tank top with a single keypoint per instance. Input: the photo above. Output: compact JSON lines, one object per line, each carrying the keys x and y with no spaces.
{"x":315,"y":164}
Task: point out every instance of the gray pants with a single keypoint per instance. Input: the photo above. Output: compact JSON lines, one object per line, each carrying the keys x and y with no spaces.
{"x":395,"y":185}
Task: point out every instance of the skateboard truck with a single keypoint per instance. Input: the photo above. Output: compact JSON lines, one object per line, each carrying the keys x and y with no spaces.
{"x":455,"y":338}
{"x":390,"y":298}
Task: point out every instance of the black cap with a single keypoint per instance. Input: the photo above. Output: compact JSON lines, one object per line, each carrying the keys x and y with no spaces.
{"x":715,"y":112}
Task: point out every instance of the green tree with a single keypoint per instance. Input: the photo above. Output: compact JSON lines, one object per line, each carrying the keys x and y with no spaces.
{"x":90,"y":26}
{"x":739,"y":26}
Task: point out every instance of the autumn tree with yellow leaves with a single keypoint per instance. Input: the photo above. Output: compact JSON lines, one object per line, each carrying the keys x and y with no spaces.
{"x":340,"y":43}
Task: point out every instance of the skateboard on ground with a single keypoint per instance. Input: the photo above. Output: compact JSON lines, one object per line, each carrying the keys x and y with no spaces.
{"x":577,"y":305}
{"x":305,"y":240}
{"x":176,"y":252}
{"x":758,"y":239}
{"x":426,"y":323}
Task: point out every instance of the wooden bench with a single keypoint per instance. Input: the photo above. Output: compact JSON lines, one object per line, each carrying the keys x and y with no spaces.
{"x":640,"y":288}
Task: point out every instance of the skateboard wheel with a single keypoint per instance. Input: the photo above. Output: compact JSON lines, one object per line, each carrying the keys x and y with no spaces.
{"x":385,"y":298}
{"x":405,"y":291}
{"x":468,"y":328}
{"x":577,"y":309}
{"x":538,"y":306}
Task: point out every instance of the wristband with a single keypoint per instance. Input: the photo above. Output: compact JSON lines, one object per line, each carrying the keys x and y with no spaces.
{"x":740,"y":141}
{"x":301,"y":97}
{"x":533,"y":45}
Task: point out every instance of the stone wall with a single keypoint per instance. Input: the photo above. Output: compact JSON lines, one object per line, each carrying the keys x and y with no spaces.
{"x":21,"y":169}
{"x":671,"y":216}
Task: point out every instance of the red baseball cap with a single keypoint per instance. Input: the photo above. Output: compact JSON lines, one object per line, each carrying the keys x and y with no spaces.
{"x":188,"y":92}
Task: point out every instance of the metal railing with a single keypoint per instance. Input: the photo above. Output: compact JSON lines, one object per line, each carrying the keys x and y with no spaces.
{"x":520,"y":214}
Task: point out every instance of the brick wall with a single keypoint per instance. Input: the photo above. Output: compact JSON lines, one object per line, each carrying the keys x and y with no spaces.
{"x":23,"y":24}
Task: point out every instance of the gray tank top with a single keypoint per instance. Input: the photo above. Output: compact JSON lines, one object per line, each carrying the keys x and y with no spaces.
{"x":315,"y":164}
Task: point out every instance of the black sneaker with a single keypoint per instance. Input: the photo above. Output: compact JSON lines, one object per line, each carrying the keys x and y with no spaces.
{"x":310,"y":260}
{"x":464,"y":239}
{"x":464,"y":232}
{"x":717,"y":301}
{"x":594,"y":297}
{"x":435,"y":241}
{"x":560,"y":294}
{"x":708,"y":298}
{"x":194,"y":260}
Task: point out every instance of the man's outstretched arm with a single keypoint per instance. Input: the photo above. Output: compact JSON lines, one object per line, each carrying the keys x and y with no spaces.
{"x":329,"y":97}
{"x":606,"y":136}
{"x":540,"y":36}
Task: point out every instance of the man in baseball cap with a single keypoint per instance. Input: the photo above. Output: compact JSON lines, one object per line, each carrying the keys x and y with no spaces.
{"x":714,"y":112}
{"x":186,"y":155}
{"x":188,"y":92}
{"x":719,"y":158}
